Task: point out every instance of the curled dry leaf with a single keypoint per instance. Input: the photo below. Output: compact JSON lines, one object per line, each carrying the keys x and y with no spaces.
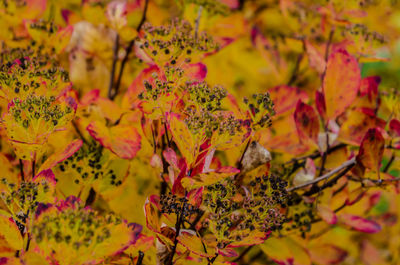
{"x":255,"y":156}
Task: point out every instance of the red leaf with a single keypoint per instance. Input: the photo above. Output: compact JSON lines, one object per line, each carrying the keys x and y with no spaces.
{"x":394,"y":127}
{"x":307,"y":123}
{"x":341,"y":82}
{"x":369,"y":86}
{"x":371,"y":150}
{"x":360,"y":224}
{"x":122,"y":140}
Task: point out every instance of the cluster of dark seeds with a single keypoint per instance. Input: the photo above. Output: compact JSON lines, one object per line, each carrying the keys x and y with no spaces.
{"x":234,"y":215}
{"x":22,"y":199}
{"x":213,"y":7}
{"x":77,"y":227}
{"x":362,"y":31}
{"x":208,"y":98}
{"x":156,"y":88}
{"x":35,"y":108}
{"x":88,"y":165}
{"x":261,"y":109}
{"x":44,"y":26}
{"x":175,"y":43}
{"x":300,"y":215}
{"x":206,"y":122}
{"x":170,"y":203}
{"x":25,"y":75}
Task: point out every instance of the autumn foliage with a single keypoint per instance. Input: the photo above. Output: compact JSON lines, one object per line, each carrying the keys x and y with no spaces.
{"x":199,"y":132}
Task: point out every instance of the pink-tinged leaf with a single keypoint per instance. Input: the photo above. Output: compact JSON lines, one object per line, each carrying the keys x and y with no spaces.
{"x":307,"y":122}
{"x":326,"y":214}
{"x":370,"y":255}
{"x":195,"y":197}
{"x":61,"y":155}
{"x":320,"y":103}
{"x":341,"y":82}
{"x":315,"y":59}
{"x":355,"y":195}
{"x":371,"y":150}
{"x":231,"y":3}
{"x":227,"y":252}
{"x":90,"y":97}
{"x":360,"y":224}
{"x":123,"y":140}
{"x":327,"y":254}
{"x":195,"y":72}
{"x":394,"y":127}
{"x":170,"y":156}
{"x":289,"y":101}
{"x":46,"y":175}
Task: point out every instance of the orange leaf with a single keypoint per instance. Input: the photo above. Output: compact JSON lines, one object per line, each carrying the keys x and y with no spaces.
{"x":292,"y":95}
{"x":327,"y":254}
{"x":307,"y":123}
{"x":122,"y":140}
{"x":61,"y":155}
{"x":341,"y":82}
{"x":371,"y":150}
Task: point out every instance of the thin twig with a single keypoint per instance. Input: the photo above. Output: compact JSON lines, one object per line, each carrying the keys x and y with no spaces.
{"x":178,"y":225}
{"x":295,"y":72}
{"x":389,"y":163}
{"x":140,"y":258}
{"x":315,"y":155}
{"x":330,"y":183}
{"x":324,"y":155}
{"x":211,"y":261}
{"x":328,"y":44}
{"x":347,"y":164}
{"x":28,"y":242}
{"x":33,"y":168}
{"x":113,"y":67}
{"x":21,"y":169}
{"x":197,"y":22}
{"x":128,"y":51}
{"x":239,"y":258}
